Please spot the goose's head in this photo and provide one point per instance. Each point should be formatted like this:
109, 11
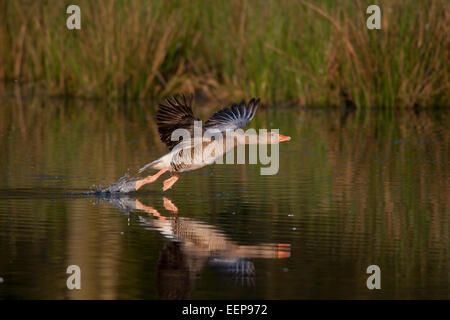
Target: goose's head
272, 138
261, 138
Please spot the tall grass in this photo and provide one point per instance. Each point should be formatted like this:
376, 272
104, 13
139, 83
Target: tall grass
306, 52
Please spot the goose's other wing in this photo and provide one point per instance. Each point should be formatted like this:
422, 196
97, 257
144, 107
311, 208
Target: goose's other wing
175, 114
234, 117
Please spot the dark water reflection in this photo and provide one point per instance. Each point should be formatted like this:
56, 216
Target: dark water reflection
352, 190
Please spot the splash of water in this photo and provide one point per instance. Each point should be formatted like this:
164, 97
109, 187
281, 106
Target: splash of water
124, 185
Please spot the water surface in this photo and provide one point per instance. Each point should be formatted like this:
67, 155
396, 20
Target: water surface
352, 190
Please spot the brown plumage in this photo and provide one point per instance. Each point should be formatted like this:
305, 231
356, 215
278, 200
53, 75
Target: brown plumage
175, 115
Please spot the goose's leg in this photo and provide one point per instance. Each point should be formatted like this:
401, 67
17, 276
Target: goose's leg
170, 206
168, 183
149, 179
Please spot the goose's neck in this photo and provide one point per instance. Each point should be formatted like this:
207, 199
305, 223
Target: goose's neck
247, 138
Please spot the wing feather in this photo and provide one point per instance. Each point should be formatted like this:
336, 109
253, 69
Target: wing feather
234, 117
174, 114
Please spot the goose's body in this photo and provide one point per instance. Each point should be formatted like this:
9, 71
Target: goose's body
195, 155
200, 150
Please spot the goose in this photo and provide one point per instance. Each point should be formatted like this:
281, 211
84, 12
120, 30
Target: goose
191, 154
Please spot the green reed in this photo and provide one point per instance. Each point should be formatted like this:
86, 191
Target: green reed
304, 52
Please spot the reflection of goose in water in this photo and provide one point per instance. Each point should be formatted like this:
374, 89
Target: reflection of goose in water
194, 244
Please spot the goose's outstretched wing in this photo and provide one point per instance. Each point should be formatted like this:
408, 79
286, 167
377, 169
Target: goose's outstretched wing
175, 114
234, 117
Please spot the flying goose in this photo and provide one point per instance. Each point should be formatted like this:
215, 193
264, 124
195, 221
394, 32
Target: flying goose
191, 154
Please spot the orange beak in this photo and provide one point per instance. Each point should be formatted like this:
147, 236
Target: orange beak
283, 250
282, 138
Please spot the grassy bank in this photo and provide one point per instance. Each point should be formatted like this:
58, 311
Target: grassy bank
307, 52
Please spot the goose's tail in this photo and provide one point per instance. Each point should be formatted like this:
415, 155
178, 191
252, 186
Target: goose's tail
157, 164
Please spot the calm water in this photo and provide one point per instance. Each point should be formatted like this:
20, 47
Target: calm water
352, 190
